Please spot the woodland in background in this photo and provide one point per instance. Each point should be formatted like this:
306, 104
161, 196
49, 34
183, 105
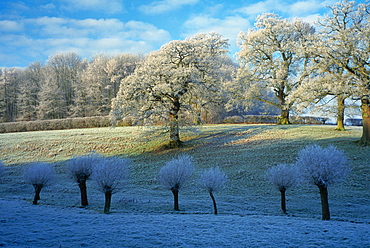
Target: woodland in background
284, 66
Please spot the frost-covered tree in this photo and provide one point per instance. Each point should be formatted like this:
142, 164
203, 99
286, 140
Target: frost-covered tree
274, 57
323, 167
100, 82
9, 92
39, 175
327, 84
175, 174
182, 76
283, 176
212, 180
109, 174
80, 170
345, 43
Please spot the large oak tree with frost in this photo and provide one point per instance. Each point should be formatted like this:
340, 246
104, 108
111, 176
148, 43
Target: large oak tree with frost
180, 77
346, 43
273, 56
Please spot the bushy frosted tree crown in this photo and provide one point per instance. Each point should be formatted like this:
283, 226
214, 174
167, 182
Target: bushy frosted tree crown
322, 166
109, 173
80, 168
39, 174
213, 179
176, 172
283, 176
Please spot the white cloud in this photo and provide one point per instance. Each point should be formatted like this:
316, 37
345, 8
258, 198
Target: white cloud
107, 6
10, 26
229, 27
294, 9
85, 37
159, 7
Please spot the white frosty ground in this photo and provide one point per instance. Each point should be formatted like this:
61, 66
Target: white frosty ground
25, 225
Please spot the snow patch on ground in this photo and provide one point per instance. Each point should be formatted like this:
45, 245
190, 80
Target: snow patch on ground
25, 225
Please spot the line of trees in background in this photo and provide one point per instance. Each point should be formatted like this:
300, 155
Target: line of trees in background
287, 64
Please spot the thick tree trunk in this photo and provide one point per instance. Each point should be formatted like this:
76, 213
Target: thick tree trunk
214, 203
83, 191
174, 125
365, 108
283, 200
38, 188
175, 193
284, 117
324, 202
108, 199
340, 113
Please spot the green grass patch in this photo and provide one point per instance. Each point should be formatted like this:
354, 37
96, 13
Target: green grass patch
243, 151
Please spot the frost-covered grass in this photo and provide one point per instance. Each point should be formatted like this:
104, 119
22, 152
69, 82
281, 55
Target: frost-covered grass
142, 214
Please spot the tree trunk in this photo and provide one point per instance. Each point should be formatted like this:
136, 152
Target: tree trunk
175, 193
83, 191
324, 202
284, 117
214, 203
38, 188
174, 124
108, 199
340, 113
365, 109
283, 200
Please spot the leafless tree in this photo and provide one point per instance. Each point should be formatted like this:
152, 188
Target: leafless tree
39, 175
175, 174
283, 176
80, 169
323, 167
109, 175
212, 180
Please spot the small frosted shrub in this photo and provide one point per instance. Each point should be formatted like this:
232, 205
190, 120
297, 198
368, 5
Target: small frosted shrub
175, 174
80, 170
212, 180
39, 175
109, 175
283, 176
323, 167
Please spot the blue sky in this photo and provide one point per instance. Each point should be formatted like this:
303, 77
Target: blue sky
34, 30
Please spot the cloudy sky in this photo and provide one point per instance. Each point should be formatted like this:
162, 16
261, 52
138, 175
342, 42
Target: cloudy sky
34, 30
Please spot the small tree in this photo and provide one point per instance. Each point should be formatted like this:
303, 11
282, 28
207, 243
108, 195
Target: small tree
323, 167
39, 175
213, 180
80, 169
109, 174
175, 174
283, 177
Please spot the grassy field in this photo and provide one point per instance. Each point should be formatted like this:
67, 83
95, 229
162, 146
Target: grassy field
244, 152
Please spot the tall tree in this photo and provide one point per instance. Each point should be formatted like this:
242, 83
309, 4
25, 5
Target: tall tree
175, 78
32, 78
327, 82
64, 69
100, 81
346, 43
9, 91
273, 56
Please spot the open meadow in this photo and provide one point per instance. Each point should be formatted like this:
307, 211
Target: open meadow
142, 215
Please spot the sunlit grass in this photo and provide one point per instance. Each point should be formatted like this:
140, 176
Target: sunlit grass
243, 152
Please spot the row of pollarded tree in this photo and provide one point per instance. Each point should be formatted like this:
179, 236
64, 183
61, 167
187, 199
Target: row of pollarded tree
315, 164
282, 62
110, 173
